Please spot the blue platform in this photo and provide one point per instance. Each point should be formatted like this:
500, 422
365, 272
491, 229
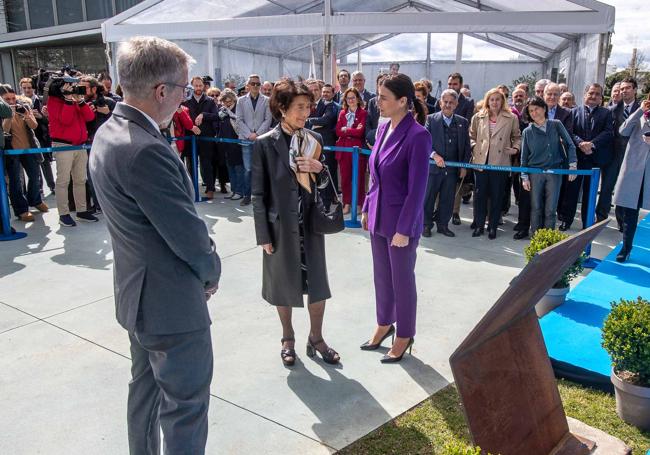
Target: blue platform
573, 331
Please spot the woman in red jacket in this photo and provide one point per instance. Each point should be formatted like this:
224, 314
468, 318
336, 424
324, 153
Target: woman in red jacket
351, 130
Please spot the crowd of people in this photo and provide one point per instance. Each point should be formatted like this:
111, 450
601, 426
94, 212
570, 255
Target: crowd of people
543, 129
282, 167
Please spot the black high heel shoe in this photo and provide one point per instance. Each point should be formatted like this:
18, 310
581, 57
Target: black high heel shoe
372, 347
287, 353
478, 232
389, 359
329, 356
623, 255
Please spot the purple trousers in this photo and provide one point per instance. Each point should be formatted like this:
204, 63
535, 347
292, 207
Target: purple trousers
395, 292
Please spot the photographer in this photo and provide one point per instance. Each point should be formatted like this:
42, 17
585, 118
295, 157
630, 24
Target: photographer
107, 83
42, 131
68, 113
103, 107
21, 128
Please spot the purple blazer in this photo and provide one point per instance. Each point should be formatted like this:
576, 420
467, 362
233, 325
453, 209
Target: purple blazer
398, 180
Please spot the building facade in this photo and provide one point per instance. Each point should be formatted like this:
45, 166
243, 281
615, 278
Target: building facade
50, 34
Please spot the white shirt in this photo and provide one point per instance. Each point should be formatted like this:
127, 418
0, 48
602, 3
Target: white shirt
152, 121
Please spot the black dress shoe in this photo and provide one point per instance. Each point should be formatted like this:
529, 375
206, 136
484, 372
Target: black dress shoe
473, 225
455, 219
492, 234
520, 235
446, 232
517, 227
623, 256
565, 227
478, 232
426, 232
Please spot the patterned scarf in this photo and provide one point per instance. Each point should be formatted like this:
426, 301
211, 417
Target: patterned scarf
302, 144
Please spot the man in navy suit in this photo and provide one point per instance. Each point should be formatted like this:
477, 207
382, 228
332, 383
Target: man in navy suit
323, 121
450, 140
593, 136
620, 112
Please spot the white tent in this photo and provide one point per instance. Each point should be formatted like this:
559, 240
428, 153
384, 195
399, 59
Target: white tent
280, 37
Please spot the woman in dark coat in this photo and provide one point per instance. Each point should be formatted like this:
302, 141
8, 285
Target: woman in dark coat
232, 151
287, 167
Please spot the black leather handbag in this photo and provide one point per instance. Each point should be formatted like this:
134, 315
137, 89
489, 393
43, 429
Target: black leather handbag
326, 221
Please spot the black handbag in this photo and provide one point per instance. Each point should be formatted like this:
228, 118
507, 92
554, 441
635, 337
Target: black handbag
326, 221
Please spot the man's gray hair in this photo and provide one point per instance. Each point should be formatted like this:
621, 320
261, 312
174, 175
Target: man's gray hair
144, 61
358, 73
552, 86
543, 82
449, 92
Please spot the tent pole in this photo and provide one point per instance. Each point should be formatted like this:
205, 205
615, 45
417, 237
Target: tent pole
428, 73
459, 52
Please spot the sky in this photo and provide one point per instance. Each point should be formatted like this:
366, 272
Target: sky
630, 31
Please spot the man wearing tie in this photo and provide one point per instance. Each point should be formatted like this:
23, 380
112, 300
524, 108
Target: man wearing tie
621, 111
593, 136
450, 138
323, 121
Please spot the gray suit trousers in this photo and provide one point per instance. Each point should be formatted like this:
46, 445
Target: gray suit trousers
169, 389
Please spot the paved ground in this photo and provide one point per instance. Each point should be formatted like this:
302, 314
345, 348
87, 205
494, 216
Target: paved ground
64, 364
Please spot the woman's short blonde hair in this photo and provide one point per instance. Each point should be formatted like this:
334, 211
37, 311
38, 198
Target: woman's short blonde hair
486, 98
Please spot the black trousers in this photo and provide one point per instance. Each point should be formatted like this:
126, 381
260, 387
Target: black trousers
523, 217
630, 218
489, 185
210, 165
607, 184
169, 390
441, 186
569, 199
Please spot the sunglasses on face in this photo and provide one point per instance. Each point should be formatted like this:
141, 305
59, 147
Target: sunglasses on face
255, 84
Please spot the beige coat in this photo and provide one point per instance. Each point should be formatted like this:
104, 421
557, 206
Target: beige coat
506, 134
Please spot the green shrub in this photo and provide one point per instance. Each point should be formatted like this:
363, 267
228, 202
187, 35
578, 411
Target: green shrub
460, 448
626, 337
542, 239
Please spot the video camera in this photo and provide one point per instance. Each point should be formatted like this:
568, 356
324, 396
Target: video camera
52, 83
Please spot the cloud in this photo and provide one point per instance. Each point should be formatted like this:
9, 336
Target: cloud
631, 31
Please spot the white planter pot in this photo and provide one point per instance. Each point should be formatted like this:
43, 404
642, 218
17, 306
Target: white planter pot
551, 300
632, 403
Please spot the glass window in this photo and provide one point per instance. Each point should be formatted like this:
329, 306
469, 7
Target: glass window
69, 11
41, 13
15, 11
98, 9
53, 58
89, 59
123, 5
25, 62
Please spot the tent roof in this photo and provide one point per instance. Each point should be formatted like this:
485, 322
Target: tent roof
292, 28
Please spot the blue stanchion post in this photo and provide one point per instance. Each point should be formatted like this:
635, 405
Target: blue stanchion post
5, 233
195, 171
353, 222
592, 263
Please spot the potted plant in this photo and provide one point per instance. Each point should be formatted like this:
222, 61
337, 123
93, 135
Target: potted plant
542, 239
626, 337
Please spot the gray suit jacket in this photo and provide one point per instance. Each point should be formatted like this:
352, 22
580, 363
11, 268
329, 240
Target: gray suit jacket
164, 258
251, 120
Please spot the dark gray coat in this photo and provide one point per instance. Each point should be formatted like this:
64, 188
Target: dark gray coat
164, 258
275, 209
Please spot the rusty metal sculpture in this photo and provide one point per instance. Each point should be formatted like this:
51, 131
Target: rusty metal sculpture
503, 372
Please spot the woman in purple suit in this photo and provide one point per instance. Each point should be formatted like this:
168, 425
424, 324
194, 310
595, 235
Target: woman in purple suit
393, 211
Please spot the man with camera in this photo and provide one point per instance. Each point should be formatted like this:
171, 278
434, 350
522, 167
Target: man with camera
21, 127
103, 107
68, 113
42, 131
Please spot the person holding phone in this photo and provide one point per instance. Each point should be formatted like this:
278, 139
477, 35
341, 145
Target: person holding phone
632, 190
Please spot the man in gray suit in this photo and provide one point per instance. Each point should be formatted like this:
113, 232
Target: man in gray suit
253, 120
166, 267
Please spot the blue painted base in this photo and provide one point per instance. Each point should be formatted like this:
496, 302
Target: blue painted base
573, 331
352, 224
14, 236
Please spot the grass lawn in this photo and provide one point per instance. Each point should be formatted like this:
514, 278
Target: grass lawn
437, 425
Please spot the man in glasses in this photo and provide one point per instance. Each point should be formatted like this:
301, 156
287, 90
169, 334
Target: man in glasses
204, 114
166, 267
253, 120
